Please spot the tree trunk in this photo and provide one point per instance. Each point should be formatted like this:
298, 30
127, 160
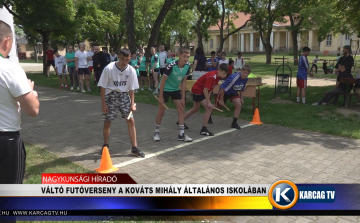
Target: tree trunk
180, 40
294, 34
130, 25
156, 27
35, 54
268, 49
222, 27
200, 41
45, 43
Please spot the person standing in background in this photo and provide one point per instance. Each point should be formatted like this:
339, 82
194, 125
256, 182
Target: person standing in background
70, 59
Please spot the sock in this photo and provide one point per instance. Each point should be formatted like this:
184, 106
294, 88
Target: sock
181, 129
203, 128
298, 99
157, 128
303, 100
235, 120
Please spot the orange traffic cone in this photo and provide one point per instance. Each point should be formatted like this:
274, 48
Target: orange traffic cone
256, 118
106, 165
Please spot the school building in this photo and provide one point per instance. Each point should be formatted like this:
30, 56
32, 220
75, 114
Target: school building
248, 39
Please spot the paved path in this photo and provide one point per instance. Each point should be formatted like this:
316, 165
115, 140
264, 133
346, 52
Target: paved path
69, 124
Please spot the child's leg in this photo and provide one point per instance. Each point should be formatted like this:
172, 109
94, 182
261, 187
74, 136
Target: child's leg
106, 131
160, 115
193, 110
81, 81
66, 83
61, 81
48, 70
207, 114
237, 103
132, 131
180, 110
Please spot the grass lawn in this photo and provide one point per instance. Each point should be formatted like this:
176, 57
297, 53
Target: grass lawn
30, 61
322, 119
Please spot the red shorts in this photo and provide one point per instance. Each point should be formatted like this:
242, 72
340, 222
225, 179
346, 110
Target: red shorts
90, 69
301, 83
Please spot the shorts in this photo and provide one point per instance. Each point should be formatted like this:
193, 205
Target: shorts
198, 97
156, 70
117, 101
50, 62
175, 95
90, 69
226, 97
301, 83
83, 71
143, 73
162, 70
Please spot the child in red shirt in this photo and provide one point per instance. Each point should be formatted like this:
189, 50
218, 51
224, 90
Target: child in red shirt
201, 94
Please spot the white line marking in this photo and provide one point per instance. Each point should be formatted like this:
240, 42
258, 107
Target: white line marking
178, 147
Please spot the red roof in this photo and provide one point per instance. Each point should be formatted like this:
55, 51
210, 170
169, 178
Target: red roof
242, 18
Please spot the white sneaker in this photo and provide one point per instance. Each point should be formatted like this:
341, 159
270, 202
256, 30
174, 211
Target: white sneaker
83, 91
88, 90
156, 92
72, 88
149, 89
156, 137
316, 103
136, 91
184, 138
78, 89
142, 89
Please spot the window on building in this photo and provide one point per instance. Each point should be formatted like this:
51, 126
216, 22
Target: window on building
328, 40
347, 37
211, 44
257, 42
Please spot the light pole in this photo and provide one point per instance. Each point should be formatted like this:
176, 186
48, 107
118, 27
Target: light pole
8, 18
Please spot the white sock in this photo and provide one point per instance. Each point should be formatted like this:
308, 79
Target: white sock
181, 129
298, 99
62, 85
303, 100
157, 128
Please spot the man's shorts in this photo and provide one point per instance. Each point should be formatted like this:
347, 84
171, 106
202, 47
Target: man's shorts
226, 97
143, 73
117, 101
90, 69
156, 70
83, 71
175, 95
301, 83
50, 62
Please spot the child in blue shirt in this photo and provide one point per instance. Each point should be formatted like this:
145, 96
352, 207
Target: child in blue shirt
303, 71
212, 63
231, 88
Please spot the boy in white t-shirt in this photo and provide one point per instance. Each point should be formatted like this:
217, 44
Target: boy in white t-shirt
60, 68
223, 59
117, 84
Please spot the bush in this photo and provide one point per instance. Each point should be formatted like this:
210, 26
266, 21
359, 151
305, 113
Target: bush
291, 53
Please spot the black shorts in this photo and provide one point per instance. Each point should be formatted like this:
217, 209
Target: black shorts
156, 70
143, 73
198, 97
162, 70
175, 95
12, 158
82, 71
50, 62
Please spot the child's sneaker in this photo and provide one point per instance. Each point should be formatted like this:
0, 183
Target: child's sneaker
235, 125
142, 89
72, 88
101, 151
184, 138
88, 90
149, 89
78, 89
316, 103
61, 87
83, 91
156, 137
137, 152
67, 87
205, 132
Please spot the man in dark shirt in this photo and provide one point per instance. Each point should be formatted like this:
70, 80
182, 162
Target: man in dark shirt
100, 62
339, 88
346, 59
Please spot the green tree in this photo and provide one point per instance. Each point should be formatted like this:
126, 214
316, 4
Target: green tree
45, 17
263, 15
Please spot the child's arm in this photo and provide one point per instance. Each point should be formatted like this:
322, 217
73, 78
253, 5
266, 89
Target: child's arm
132, 98
207, 98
